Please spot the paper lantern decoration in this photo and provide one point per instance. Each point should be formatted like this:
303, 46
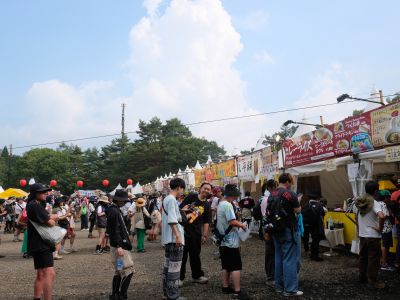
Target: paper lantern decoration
79, 183
129, 181
106, 182
53, 182
22, 182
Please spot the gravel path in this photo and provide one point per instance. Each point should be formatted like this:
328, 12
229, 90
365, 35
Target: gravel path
83, 275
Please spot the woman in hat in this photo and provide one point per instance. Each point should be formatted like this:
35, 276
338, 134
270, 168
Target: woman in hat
101, 223
63, 214
140, 226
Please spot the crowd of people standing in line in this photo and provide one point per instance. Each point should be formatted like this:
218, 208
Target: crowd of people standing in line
186, 223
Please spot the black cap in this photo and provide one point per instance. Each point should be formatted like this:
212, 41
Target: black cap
38, 188
121, 195
231, 190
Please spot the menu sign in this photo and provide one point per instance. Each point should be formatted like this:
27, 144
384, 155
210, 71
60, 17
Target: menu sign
269, 163
351, 135
392, 154
386, 125
245, 166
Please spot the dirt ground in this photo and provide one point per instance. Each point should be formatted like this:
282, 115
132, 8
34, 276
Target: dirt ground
83, 275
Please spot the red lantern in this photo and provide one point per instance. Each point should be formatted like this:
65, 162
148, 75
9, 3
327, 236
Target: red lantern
22, 182
79, 183
129, 181
53, 182
106, 182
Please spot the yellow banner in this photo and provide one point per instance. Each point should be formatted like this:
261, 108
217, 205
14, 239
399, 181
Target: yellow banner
215, 172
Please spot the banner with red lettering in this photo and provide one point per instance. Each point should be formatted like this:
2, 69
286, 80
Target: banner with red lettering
351, 135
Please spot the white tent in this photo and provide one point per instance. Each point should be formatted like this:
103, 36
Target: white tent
198, 166
119, 187
1, 189
137, 189
260, 144
32, 181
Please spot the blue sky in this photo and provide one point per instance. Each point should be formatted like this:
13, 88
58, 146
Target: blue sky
67, 65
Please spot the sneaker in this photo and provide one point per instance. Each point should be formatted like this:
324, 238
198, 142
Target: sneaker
72, 250
240, 296
317, 259
99, 251
180, 283
57, 257
387, 267
63, 251
201, 280
90, 236
297, 294
376, 285
227, 290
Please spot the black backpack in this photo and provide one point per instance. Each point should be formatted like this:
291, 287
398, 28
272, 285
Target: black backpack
310, 214
278, 217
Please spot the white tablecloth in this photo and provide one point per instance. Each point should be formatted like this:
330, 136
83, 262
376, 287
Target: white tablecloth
335, 237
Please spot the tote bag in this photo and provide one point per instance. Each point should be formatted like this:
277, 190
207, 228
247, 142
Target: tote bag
50, 235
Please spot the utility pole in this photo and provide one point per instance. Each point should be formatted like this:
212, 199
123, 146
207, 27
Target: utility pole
381, 97
123, 121
9, 166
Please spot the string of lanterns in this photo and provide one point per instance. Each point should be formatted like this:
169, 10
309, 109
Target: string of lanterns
79, 183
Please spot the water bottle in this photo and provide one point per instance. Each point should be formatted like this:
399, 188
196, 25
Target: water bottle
120, 264
331, 227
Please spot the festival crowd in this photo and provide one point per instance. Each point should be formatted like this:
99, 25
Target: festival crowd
284, 220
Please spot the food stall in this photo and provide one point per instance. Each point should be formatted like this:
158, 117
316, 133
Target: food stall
338, 159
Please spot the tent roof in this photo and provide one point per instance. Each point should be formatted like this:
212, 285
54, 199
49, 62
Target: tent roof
11, 192
119, 187
137, 189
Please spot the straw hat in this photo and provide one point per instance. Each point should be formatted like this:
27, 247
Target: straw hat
140, 202
103, 198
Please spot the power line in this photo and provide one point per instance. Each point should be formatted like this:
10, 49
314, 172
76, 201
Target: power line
195, 123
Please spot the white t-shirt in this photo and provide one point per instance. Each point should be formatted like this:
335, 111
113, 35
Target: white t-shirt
368, 224
264, 203
214, 203
19, 208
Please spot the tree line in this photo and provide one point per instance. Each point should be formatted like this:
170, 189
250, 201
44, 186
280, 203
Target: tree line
160, 148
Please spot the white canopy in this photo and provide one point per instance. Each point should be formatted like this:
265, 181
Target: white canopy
119, 187
137, 189
1, 189
197, 166
32, 181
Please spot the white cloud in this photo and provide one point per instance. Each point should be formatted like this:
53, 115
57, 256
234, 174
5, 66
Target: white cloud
152, 6
325, 88
182, 61
264, 57
181, 65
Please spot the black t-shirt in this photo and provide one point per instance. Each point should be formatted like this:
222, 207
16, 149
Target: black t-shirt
204, 218
37, 213
289, 203
247, 203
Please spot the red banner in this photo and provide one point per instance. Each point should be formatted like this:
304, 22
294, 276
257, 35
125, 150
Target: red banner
351, 135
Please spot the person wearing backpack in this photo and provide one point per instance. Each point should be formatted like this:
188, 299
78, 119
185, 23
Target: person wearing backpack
313, 214
267, 188
227, 226
283, 207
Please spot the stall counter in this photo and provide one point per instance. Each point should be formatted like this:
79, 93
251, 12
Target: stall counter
350, 229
